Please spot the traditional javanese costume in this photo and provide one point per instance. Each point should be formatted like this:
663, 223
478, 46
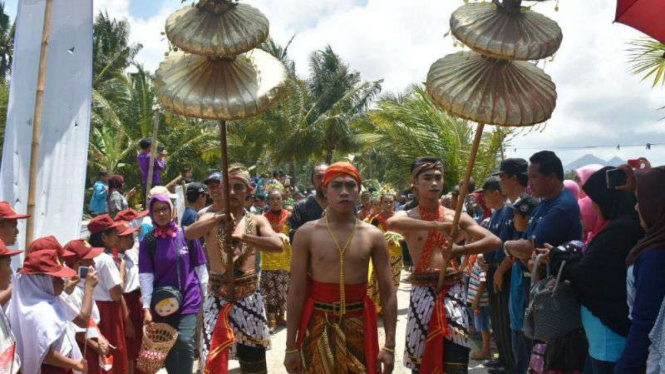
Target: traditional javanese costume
437, 338
275, 269
235, 325
395, 250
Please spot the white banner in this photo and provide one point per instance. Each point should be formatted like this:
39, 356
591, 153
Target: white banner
63, 151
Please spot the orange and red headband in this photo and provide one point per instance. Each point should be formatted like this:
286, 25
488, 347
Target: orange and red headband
341, 168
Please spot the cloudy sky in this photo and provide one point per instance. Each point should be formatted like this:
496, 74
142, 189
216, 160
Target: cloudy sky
600, 103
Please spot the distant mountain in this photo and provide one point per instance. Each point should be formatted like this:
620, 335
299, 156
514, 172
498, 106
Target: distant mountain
584, 160
591, 159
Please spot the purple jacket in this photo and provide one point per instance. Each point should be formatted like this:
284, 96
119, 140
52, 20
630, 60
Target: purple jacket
144, 164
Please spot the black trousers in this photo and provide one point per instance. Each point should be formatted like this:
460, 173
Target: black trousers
252, 360
455, 360
501, 318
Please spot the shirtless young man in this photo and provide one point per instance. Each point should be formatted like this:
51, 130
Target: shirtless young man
244, 312
331, 322
440, 344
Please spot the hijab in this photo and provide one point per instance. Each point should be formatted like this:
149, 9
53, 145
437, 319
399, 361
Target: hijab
116, 182
585, 172
170, 230
37, 319
651, 199
573, 187
612, 202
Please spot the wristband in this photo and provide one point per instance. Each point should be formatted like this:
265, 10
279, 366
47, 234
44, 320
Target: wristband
290, 351
388, 350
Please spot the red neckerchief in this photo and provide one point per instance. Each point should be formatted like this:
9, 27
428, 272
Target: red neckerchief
168, 232
383, 218
277, 221
435, 239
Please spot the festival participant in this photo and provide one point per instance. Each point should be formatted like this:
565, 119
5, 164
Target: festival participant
99, 194
311, 208
129, 253
237, 322
365, 207
143, 160
116, 200
7, 339
555, 221
437, 334
590, 221
115, 323
393, 239
173, 278
44, 342
8, 234
275, 266
78, 254
332, 308
197, 196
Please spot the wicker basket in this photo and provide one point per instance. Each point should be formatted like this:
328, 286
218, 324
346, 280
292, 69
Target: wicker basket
158, 338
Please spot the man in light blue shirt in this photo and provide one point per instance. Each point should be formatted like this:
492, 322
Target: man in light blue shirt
99, 193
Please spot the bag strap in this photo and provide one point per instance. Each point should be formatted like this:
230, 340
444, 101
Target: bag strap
535, 268
558, 278
177, 256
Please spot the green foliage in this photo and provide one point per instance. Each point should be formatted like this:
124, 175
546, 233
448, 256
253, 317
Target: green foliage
648, 59
6, 42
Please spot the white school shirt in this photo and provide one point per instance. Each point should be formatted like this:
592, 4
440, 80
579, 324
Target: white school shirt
109, 277
131, 257
75, 302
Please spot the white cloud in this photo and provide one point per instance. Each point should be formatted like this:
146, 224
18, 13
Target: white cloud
600, 102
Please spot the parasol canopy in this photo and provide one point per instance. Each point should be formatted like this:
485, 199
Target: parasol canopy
491, 91
499, 32
217, 29
647, 16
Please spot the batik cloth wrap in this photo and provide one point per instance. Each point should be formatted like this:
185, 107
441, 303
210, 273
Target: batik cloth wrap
331, 343
437, 338
395, 251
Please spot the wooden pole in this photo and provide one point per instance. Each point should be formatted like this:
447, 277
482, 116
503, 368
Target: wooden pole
460, 202
228, 248
153, 151
37, 124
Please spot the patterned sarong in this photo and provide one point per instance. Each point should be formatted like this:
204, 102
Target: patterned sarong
421, 308
334, 344
246, 318
275, 287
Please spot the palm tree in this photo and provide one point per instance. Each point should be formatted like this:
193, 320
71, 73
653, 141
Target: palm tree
6, 43
648, 59
111, 51
411, 125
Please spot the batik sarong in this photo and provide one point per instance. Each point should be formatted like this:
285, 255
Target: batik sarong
332, 343
275, 287
244, 323
455, 327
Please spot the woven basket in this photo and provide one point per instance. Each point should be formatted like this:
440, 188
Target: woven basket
158, 339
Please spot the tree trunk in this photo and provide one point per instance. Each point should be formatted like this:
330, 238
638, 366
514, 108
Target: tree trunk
329, 156
292, 171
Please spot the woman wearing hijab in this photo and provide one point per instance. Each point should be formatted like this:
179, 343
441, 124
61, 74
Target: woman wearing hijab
45, 343
599, 275
646, 272
573, 187
116, 200
174, 279
590, 222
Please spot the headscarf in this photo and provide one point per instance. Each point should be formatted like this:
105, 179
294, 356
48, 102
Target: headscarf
590, 220
37, 319
170, 230
116, 182
613, 203
585, 172
651, 199
573, 187
341, 168
238, 172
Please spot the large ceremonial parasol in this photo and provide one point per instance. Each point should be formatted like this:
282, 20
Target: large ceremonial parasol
219, 74
647, 16
494, 83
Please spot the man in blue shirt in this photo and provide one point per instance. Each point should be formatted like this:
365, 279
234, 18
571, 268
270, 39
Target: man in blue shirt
99, 193
197, 196
556, 220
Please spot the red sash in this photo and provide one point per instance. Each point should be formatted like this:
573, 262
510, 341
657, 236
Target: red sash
432, 361
222, 339
329, 293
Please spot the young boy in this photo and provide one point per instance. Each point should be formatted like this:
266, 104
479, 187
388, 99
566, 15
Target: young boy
479, 303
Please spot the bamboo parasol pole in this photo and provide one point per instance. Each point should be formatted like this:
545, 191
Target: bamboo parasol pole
153, 151
228, 248
37, 124
460, 202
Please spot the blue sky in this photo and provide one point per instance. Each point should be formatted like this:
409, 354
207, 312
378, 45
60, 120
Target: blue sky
600, 103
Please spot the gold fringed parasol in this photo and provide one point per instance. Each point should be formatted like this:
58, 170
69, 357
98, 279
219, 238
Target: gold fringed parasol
223, 79
495, 31
487, 90
488, 86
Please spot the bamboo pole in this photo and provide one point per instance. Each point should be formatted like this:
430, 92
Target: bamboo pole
37, 124
460, 203
228, 248
153, 151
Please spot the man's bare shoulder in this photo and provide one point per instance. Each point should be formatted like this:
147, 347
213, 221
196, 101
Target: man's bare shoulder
308, 228
413, 213
369, 229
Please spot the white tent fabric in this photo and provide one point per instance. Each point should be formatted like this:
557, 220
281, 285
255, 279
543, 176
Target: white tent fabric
66, 117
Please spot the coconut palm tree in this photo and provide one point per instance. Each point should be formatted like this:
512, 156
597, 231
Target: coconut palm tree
648, 59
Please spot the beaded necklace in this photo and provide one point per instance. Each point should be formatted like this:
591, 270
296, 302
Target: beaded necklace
342, 251
277, 221
435, 239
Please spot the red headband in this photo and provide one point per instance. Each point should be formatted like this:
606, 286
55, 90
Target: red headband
341, 168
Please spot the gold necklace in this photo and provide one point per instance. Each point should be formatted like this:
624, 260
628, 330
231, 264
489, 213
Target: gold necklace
342, 251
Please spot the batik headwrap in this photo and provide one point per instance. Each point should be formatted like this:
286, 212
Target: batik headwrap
426, 166
341, 168
240, 174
